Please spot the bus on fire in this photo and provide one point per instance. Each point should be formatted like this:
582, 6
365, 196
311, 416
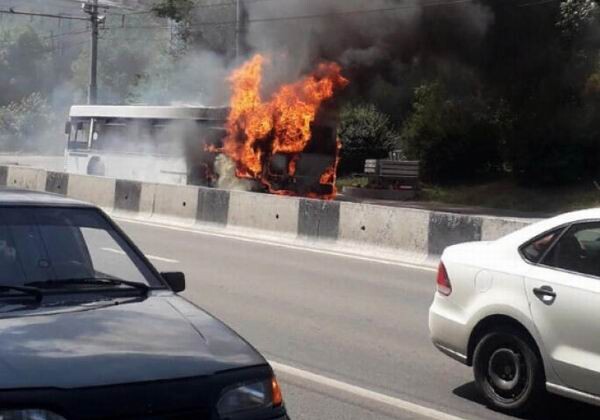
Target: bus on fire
179, 145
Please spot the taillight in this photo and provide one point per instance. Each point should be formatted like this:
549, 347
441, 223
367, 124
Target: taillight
444, 286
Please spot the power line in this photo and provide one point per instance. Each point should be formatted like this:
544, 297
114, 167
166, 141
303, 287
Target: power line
537, 3
12, 11
202, 6
60, 35
364, 11
51, 36
106, 4
446, 3
316, 16
47, 49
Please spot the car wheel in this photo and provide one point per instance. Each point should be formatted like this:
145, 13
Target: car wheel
508, 372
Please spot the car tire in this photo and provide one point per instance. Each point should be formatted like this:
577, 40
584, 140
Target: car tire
508, 371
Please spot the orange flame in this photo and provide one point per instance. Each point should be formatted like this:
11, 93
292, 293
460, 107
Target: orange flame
330, 174
257, 129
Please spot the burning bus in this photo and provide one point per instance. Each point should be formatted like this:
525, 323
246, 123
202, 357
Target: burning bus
286, 144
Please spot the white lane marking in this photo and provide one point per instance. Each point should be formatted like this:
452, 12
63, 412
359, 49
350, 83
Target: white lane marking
114, 251
151, 257
363, 393
281, 245
162, 259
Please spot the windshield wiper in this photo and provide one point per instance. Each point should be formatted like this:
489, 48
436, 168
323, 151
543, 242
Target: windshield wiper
31, 291
93, 281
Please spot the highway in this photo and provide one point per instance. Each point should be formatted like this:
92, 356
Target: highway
349, 337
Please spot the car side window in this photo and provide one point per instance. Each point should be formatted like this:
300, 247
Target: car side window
578, 250
538, 247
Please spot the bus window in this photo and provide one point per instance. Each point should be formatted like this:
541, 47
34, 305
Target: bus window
79, 136
113, 136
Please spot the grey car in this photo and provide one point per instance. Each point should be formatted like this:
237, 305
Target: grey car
90, 329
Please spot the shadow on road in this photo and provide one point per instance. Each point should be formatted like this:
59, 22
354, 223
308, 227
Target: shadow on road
552, 408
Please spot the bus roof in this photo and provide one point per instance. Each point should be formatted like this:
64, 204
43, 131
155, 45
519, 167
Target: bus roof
150, 112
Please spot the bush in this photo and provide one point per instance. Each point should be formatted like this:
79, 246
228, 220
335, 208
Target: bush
454, 140
557, 150
29, 125
366, 133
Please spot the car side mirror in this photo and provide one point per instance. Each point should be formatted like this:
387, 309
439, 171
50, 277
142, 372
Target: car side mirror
175, 280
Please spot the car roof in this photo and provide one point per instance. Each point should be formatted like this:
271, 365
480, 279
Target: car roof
16, 197
531, 231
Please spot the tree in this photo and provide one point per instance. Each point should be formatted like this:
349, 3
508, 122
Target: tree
576, 15
177, 10
180, 12
366, 133
28, 125
23, 66
455, 140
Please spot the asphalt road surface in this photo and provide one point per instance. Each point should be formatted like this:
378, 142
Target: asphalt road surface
349, 337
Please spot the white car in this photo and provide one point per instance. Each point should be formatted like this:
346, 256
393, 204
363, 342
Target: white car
524, 311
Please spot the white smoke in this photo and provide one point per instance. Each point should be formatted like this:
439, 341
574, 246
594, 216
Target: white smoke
225, 169
198, 78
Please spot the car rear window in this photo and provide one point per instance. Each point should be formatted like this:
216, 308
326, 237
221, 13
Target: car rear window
578, 250
536, 249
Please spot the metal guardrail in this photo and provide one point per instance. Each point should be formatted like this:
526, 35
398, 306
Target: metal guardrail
388, 172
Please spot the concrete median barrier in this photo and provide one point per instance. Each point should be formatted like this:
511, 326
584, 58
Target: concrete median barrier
175, 203
93, 189
365, 229
147, 197
26, 178
263, 212
3, 175
57, 182
400, 230
496, 227
319, 219
447, 229
213, 207
127, 196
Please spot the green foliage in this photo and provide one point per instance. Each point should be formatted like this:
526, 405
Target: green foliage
454, 140
366, 133
28, 125
576, 15
531, 109
23, 65
177, 10
122, 67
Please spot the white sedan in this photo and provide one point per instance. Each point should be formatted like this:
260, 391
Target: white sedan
524, 311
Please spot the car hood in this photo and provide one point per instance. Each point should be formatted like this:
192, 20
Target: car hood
159, 338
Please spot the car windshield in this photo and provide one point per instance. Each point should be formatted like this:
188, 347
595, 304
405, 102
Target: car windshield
45, 245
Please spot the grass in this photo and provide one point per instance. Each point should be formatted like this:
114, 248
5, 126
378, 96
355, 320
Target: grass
351, 182
506, 195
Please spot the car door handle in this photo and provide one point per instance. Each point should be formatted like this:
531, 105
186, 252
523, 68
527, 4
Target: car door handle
546, 294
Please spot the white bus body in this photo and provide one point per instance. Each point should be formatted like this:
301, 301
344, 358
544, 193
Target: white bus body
154, 144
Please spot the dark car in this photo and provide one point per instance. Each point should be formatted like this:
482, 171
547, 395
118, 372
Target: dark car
90, 330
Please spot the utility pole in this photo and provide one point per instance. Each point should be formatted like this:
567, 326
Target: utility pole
91, 8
